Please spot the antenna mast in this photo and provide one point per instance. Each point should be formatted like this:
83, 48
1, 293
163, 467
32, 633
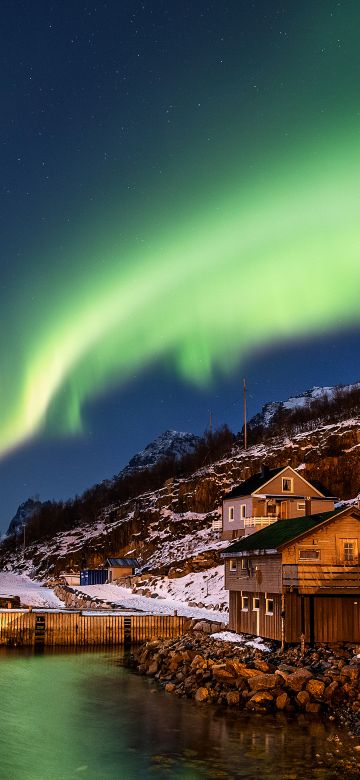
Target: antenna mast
245, 429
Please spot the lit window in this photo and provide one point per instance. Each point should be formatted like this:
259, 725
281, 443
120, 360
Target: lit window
309, 555
256, 603
269, 606
287, 485
242, 511
244, 603
244, 564
232, 565
231, 513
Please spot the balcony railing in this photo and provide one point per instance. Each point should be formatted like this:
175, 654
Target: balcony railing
217, 525
262, 522
315, 577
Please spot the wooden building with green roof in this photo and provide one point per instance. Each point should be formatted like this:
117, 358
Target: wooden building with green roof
298, 577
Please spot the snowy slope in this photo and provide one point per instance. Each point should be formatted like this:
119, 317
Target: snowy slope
164, 604
298, 401
31, 593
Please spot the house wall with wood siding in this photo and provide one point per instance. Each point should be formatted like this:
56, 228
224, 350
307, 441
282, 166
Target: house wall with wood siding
262, 573
321, 505
116, 572
328, 540
255, 621
300, 487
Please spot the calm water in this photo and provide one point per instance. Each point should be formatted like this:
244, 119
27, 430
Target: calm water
82, 715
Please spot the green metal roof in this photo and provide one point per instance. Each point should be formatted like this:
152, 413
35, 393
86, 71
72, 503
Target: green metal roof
279, 533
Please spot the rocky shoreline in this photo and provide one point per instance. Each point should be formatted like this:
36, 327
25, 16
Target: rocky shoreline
324, 682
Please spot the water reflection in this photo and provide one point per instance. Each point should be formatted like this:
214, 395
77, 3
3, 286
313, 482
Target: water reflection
82, 715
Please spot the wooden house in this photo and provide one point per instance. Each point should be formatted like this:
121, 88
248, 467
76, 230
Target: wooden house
120, 567
273, 494
298, 577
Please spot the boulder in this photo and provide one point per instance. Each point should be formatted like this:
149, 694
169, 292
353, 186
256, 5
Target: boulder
260, 700
302, 698
198, 662
170, 687
233, 698
281, 701
350, 673
316, 688
153, 668
312, 707
297, 680
204, 626
330, 690
261, 665
263, 682
201, 695
221, 673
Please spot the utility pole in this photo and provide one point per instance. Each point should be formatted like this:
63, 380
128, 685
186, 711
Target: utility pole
245, 429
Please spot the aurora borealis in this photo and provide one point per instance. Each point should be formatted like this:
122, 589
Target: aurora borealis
180, 190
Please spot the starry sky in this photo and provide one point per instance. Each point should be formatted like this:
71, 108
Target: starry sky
179, 208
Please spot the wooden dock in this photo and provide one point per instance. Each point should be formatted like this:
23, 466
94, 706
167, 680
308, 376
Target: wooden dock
45, 628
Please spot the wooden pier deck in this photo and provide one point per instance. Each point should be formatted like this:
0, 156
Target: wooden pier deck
50, 628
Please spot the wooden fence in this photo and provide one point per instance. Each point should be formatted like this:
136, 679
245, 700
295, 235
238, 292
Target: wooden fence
37, 628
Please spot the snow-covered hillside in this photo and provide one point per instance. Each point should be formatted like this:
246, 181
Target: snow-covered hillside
31, 593
265, 416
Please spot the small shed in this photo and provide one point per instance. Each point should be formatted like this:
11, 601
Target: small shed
121, 567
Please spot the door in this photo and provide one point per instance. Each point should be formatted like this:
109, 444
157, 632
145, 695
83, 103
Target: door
283, 510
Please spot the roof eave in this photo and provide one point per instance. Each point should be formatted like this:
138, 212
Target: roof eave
248, 553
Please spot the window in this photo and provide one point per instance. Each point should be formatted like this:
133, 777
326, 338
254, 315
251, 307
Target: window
231, 513
269, 606
287, 485
309, 555
244, 603
350, 550
256, 603
301, 506
244, 564
242, 511
232, 565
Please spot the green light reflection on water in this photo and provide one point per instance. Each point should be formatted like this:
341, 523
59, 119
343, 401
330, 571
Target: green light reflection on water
67, 715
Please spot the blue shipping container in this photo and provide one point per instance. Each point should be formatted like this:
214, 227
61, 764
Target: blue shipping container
93, 576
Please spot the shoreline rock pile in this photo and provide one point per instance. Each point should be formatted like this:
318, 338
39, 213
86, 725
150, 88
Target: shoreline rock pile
326, 681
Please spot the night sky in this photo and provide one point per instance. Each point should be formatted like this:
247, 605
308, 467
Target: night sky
179, 208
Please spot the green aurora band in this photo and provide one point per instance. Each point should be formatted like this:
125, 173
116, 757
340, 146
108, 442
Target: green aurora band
278, 259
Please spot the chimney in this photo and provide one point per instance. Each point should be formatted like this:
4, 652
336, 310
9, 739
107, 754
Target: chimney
264, 470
